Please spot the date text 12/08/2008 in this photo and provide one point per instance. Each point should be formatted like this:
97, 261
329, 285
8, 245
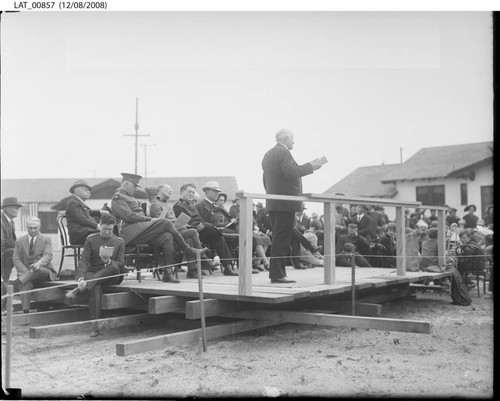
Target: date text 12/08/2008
62, 5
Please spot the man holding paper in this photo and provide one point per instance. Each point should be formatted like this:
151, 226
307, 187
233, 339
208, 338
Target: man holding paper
282, 176
103, 256
137, 228
160, 208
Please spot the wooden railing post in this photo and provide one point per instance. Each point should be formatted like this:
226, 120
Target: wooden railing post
400, 241
329, 236
245, 246
441, 239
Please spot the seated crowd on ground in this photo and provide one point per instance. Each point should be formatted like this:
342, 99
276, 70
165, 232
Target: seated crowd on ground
209, 227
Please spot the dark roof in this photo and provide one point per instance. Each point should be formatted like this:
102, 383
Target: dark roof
440, 161
53, 190
366, 181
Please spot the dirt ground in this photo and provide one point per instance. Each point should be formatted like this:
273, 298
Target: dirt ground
455, 360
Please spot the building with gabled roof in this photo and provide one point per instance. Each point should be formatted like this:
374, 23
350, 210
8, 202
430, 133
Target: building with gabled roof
456, 175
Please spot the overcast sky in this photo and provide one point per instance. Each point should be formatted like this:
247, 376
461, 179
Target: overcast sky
214, 87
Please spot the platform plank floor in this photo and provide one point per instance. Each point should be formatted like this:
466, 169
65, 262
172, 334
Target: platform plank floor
309, 284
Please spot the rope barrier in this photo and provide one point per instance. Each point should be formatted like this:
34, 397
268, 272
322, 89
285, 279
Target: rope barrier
154, 268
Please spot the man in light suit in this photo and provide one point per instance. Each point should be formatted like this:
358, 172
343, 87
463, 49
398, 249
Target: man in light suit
81, 220
282, 176
10, 210
33, 253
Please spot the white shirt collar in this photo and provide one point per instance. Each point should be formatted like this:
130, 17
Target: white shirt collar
282, 144
34, 239
77, 197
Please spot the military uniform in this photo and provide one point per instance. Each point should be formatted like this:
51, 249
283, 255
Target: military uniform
137, 228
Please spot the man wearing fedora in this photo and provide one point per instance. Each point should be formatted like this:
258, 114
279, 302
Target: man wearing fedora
81, 220
212, 211
206, 230
470, 218
32, 257
10, 209
283, 176
137, 228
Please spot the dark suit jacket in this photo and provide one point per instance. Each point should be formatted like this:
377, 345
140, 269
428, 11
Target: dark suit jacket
79, 220
43, 253
282, 176
216, 215
366, 228
8, 234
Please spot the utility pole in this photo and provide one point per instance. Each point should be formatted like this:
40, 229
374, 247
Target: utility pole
146, 158
400, 155
136, 131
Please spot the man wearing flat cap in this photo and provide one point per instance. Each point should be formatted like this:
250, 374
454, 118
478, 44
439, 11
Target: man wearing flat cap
10, 209
470, 218
81, 220
137, 228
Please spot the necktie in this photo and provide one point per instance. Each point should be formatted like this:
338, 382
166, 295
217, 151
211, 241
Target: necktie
13, 225
359, 219
32, 249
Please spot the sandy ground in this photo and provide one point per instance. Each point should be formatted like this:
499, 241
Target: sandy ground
455, 360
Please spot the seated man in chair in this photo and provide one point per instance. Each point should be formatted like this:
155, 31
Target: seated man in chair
207, 231
81, 220
159, 208
103, 256
32, 257
140, 229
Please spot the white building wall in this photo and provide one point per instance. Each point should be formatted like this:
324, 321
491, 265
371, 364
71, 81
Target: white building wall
484, 176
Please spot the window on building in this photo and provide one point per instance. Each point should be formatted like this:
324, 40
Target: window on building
463, 194
432, 195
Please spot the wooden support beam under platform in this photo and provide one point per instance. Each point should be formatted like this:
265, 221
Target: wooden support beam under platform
48, 295
50, 317
89, 325
120, 300
323, 319
167, 303
188, 337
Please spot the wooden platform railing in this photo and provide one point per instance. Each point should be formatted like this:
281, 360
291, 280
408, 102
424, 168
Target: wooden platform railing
329, 201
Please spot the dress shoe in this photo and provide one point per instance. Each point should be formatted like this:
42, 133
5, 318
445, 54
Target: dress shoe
300, 266
228, 271
169, 278
260, 268
194, 274
282, 280
94, 333
255, 271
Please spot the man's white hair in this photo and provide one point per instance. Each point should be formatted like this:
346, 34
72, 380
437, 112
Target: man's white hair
282, 134
164, 186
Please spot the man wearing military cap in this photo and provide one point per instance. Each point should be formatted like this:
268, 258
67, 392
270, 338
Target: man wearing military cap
10, 209
137, 228
81, 220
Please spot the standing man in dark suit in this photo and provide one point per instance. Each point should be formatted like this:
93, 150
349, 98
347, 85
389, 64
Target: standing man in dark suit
81, 220
10, 210
282, 176
32, 257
